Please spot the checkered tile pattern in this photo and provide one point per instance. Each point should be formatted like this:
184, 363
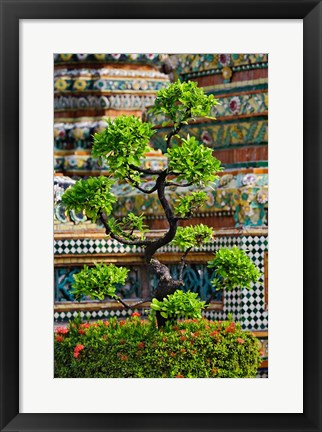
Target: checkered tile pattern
246, 306
96, 315
94, 246
90, 246
253, 314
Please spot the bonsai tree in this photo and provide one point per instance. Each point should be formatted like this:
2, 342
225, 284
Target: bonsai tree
123, 145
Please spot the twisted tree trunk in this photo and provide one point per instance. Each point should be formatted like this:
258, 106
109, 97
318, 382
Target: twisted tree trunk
166, 285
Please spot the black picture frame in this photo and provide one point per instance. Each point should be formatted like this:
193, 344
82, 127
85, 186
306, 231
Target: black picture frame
11, 12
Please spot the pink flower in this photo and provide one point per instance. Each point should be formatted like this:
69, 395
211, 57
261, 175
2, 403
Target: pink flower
224, 59
206, 137
59, 338
240, 340
234, 104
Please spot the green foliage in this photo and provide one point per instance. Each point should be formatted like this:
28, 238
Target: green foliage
179, 305
193, 162
193, 236
188, 204
135, 348
182, 101
91, 195
127, 225
233, 269
99, 281
124, 142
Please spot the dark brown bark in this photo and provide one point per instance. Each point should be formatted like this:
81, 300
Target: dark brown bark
127, 306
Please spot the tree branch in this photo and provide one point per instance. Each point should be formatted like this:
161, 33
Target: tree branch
172, 133
177, 128
145, 170
173, 222
147, 191
183, 263
178, 184
127, 306
108, 231
162, 198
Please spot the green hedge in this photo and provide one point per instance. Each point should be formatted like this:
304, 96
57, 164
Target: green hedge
135, 348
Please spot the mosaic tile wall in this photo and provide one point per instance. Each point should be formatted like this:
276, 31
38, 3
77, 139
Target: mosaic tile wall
239, 135
90, 87
245, 196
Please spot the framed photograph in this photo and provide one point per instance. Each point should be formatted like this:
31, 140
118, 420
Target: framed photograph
41, 88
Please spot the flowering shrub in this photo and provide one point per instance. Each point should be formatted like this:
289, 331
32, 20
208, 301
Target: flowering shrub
135, 348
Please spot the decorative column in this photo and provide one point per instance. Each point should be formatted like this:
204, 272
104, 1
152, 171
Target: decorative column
91, 87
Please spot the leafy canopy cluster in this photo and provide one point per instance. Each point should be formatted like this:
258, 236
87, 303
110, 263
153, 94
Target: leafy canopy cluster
233, 269
92, 196
123, 143
193, 236
193, 162
126, 226
99, 281
182, 101
188, 204
179, 305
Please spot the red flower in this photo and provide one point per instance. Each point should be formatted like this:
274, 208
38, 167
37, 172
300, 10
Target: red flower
141, 345
106, 323
123, 357
61, 330
164, 339
179, 376
59, 338
80, 331
77, 350
122, 323
183, 338
172, 354
85, 325
231, 328
136, 314
240, 340
214, 333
